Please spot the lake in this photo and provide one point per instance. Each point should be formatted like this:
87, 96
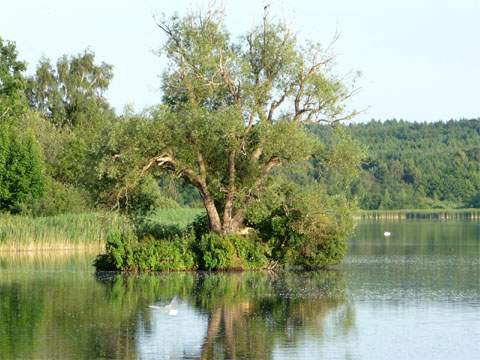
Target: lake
413, 295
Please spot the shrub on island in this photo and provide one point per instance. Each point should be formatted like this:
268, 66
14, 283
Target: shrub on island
300, 228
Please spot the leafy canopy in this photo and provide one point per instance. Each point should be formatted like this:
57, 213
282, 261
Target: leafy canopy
12, 82
72, 91
232, 112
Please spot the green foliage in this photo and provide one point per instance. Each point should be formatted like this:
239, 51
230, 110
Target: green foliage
72, 92
58, 198
148, 227
21, 163
200, 225
231, 252
474, 201
179, 190
165, 255
21, 169
12, 82
126, 252
154, 246
146, 197
233, 110
71, 121
120, 157
416, 165
337, 166
303, 227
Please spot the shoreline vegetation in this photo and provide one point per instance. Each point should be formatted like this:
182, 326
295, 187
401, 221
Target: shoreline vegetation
418, 214
88, 232
83, 232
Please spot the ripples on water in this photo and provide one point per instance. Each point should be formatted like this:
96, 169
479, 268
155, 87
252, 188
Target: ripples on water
415, 295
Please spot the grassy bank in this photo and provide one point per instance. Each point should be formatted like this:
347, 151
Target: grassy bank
62, 232
177, 216
411, 214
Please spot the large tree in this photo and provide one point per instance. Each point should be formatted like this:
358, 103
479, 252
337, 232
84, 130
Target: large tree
235, 110
72, 91
21, 166
12, 82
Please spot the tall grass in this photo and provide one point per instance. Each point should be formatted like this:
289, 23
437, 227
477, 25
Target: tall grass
75, 231
62, 232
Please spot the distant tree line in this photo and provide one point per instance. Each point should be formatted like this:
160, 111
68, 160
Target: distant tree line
418, 165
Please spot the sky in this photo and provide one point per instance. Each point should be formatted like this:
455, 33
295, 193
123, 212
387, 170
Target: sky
419, 59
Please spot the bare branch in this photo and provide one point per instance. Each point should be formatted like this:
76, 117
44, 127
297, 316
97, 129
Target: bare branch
272, 162
5, 112
275, 104
161, 161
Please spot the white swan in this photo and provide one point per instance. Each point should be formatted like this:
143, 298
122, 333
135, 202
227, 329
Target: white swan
387, 233
170, 308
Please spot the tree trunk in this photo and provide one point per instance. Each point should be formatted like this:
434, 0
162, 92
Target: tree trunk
237, 223
213, 217
229, 197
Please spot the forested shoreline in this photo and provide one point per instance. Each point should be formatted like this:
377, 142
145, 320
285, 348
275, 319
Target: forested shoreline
429, 165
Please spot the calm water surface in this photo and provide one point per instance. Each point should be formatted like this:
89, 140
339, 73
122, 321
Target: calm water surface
415, 295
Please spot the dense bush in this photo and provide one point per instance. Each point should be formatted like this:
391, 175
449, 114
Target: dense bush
169, 248
294, 227
21, 169
126, 252
474, 201
231, 252
58, 198
303, 227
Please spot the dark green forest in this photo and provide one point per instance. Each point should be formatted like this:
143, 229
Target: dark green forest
417, 165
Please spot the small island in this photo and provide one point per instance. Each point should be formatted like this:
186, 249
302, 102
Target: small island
233, 124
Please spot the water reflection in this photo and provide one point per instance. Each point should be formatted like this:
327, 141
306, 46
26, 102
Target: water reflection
244, 315
399, 297
72, 314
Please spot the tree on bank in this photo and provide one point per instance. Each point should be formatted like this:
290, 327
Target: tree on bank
233, 124
72, 91
234, 111
12, 82
21, 166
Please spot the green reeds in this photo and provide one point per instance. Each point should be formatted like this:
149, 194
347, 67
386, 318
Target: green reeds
62, 232
83, 232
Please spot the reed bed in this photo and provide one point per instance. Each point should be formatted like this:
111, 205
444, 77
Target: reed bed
81, 232
428, 214
63, 232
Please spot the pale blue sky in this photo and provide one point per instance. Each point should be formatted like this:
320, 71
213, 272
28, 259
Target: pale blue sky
420, 59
